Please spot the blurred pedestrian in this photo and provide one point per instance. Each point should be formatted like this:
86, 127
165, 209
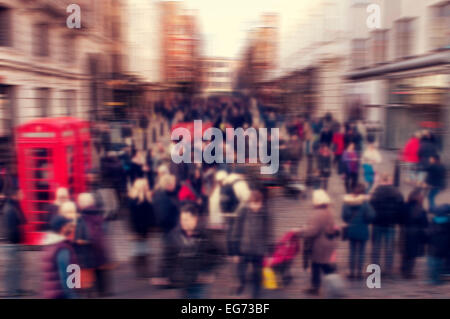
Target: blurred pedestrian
61, 196
323, 235
90, 229
13, 236
435, 180
410, 156
358, 214
191, 255
142, 219
388, 204
253, 240
58, 256
324, 159
351, 163
438, 238
414, 222
371, 158
338, 147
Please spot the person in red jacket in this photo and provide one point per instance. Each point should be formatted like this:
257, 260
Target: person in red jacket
410, 156
338, 147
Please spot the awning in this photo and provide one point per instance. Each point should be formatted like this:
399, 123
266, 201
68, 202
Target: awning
440, 58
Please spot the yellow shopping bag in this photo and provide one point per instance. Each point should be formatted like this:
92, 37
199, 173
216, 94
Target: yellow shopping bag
269, 279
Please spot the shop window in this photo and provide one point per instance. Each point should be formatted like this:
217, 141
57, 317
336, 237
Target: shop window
380, 43
43, 101
359, 49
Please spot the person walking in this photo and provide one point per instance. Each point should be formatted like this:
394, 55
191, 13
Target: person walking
90, 226
388, 203
253, 238
410, 156
141, 220
414, 223
371, 158
324, 159
338, 147
322, 234
12, 240
191, 255
435, 180
58, 255
358, 214
351, 165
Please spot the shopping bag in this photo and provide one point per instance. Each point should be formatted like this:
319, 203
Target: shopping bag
269, 279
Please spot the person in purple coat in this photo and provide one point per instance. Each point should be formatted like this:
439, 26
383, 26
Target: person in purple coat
58, 256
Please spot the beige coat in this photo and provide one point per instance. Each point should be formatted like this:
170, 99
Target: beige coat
320, 226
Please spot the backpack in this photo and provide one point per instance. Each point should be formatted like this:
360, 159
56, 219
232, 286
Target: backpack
228, 199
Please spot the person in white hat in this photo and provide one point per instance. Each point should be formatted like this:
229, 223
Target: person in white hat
322, 234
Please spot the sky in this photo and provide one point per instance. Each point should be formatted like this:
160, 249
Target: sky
224, 24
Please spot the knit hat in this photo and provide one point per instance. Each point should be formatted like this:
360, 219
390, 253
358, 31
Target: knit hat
320, 197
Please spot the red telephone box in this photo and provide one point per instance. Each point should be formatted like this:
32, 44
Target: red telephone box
50, 155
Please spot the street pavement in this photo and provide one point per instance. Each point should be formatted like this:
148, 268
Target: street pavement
288, 213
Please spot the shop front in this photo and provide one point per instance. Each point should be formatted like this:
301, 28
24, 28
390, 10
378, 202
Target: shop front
415, 102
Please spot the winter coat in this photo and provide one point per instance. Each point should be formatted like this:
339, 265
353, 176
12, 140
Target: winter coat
387, 202
414, 223
338, 142
253, 233
350, 160
358, 214
436, 176
322, 234
324, 164
410, 152
189, 256
427, 149
13, 222
166, 210
438, 233
90, 228
52, 283
142, 216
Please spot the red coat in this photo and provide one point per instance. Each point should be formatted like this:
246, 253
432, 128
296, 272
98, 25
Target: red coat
186, 194
411, 151
338, 141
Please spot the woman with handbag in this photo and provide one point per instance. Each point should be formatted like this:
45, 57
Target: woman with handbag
357, 213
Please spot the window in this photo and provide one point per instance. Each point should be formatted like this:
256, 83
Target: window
43, 101
41, 42
68, 54
379, 42
69, 102
440, 25
404, 37
359, 53
5, 27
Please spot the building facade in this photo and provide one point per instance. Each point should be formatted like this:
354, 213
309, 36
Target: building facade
48, 69
218, 75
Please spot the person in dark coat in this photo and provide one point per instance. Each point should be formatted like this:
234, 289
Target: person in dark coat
438, 239
388, 203
191, 255
253, 239
435, 180
58, 255
324, 160
358, 214
427, 149
167, 217
13, 220
414, 222
141, 220
91, 233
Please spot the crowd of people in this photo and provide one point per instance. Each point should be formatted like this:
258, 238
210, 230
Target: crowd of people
209, 214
